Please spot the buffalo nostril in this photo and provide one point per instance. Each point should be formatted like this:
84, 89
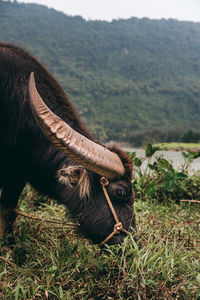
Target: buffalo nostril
121, 193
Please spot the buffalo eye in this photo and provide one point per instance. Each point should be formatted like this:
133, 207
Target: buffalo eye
121, 193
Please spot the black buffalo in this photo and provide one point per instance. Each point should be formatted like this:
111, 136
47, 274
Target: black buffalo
50, 147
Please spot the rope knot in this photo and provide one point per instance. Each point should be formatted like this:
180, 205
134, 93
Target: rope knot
118, 227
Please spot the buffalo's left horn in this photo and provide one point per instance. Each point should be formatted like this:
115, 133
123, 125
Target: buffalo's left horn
76, 146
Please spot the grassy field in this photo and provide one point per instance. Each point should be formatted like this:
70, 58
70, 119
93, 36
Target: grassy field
178, 146
52, 261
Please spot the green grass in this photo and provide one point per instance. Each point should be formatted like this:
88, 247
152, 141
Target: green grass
179, 146
52, 262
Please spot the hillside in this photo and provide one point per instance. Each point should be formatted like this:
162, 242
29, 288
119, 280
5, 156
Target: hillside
131, 79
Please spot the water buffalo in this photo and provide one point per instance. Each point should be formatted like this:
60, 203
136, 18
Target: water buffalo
44, 142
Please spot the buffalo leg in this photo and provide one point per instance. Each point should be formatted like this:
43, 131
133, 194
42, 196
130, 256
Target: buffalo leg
8, 203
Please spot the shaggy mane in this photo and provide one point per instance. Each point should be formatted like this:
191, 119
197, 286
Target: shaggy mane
76, 177
125, 158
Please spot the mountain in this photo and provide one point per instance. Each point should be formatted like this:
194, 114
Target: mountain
132, 80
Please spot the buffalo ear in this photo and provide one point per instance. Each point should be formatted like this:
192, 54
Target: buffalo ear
76, 177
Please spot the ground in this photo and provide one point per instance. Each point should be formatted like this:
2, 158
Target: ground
49, 260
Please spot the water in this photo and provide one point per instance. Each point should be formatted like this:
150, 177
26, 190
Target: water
174, 157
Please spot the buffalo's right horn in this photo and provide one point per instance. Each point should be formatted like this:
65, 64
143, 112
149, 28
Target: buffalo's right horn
76, 146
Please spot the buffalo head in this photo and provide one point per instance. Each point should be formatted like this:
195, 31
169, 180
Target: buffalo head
79, 177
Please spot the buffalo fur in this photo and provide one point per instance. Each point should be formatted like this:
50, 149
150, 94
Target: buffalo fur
7, 218
125, 158
76, 176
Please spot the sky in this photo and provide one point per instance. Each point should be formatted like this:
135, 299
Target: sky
185, 10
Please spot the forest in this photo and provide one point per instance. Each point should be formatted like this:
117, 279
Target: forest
134, 80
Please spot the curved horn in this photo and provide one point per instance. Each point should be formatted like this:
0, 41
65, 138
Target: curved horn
76, 146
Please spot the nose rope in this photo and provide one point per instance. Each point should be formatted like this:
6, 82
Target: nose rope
118, 226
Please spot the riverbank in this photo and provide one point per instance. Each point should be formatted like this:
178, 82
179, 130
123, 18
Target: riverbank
175, 157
